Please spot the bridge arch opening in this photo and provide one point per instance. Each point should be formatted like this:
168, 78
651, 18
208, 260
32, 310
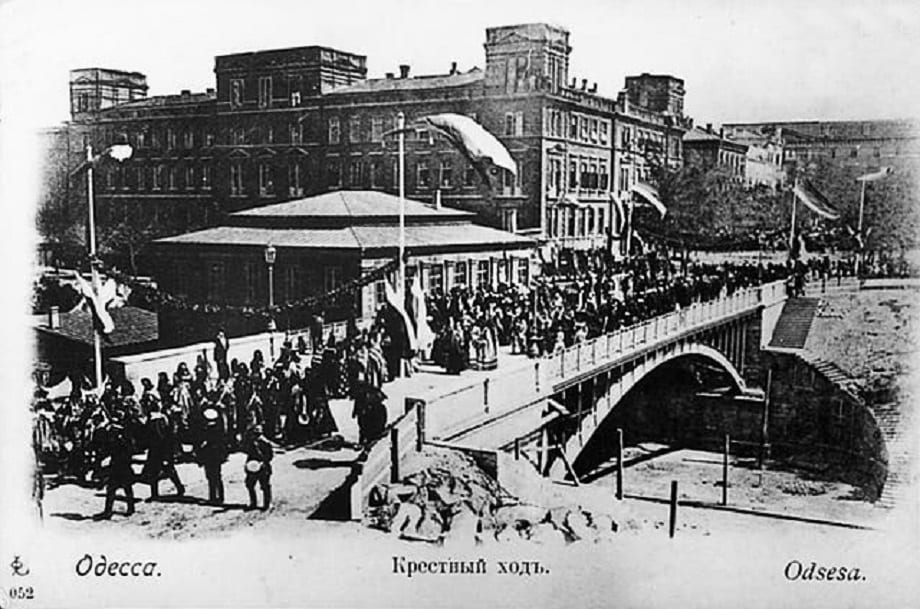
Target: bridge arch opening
670, 406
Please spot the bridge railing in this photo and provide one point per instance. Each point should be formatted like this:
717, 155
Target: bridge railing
526, 382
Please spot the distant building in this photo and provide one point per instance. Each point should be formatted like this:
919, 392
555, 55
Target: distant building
764, 161
321, 243
711, 149
859, 146
289, 123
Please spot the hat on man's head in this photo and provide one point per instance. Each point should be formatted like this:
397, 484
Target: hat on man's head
210, 415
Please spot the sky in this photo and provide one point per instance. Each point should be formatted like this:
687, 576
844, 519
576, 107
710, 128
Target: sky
741, 60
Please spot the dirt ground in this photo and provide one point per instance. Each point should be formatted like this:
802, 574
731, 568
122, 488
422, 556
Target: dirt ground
797, 493
301, 480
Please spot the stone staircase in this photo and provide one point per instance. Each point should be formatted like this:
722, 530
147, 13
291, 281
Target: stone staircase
794, 323
895, 429
893, 425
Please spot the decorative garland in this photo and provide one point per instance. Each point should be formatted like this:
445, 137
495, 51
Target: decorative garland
164, 299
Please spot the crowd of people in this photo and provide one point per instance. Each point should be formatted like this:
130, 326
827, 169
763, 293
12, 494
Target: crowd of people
560, 310
204, 413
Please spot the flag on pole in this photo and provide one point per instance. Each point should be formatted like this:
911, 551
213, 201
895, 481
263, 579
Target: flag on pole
473, 141
649, 194
884, 172
812, 198
424, 333
394, 302
99, 303
618, 222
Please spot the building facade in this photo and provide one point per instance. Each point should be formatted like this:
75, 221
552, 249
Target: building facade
709, 148
764, 161
290, 123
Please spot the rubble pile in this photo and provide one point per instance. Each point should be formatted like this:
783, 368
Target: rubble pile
450, 500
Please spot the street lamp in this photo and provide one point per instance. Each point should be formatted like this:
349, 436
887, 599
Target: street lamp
270, 254
119, 152
401, 128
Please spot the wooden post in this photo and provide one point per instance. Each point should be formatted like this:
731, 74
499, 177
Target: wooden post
765, 421
620, 463
672, 523
725, 452
517, 449
485, 394
536, 375
419, 425
394, 454
356, 497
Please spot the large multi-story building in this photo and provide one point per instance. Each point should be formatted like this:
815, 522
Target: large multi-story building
289, 123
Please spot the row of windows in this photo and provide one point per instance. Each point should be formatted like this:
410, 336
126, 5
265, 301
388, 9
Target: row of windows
158, 177
575, 126
576, 222
447, 275
291, 281
361, 172
585, 173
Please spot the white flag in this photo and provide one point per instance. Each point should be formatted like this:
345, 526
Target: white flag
99, 303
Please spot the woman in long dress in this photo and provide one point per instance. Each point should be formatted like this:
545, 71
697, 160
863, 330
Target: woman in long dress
489, 348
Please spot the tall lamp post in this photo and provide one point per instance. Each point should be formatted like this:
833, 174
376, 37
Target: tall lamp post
401, 129
119, 152
270, 254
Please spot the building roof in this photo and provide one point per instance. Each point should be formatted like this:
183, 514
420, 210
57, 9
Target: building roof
431, 81
441, 235
164, 100
345, 207
701, 135
133, 326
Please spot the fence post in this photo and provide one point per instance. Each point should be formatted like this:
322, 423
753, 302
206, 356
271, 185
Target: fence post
356, 496
608, 344
536, 375
517, 449
725, 451
578, 357
419, 425
485, 394
620, 463
672, 526
394, 454
562, 363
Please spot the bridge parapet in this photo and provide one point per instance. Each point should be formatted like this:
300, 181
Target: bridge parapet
532, 380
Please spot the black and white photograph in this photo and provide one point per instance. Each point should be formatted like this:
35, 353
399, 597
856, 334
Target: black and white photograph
464, 303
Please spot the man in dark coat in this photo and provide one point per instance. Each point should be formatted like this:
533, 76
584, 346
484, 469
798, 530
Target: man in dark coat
258, 467
118, 450
212, 453
221, 346
161, 453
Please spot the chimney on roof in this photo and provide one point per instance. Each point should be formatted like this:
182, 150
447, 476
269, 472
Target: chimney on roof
389, 76
708, 127
210, 91
574, 83
404, 70
722, 132
593, 88
186, 93
584, 84
54, 318
453, 68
